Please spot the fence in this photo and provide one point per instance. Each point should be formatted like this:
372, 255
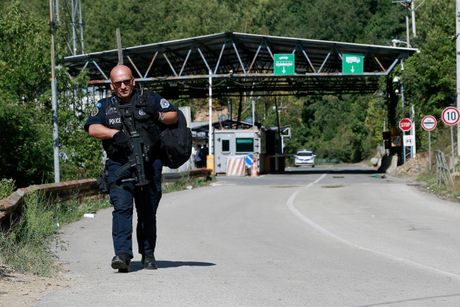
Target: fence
75, 189
443, 173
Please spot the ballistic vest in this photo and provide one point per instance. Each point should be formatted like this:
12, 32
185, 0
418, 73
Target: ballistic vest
131, 118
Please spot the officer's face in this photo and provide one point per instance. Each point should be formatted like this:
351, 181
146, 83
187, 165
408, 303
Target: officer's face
122, 82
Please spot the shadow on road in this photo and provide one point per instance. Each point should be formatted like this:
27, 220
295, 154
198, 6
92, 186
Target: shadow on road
163, 264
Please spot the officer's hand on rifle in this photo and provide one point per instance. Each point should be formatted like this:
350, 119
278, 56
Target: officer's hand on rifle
121, 141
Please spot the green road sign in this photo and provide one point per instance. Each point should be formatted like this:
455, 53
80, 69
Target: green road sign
284, 64
352, 64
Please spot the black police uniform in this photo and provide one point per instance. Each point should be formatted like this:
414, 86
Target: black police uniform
122, 191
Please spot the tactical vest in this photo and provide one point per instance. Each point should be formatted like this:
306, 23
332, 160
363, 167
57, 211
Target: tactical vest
131, 117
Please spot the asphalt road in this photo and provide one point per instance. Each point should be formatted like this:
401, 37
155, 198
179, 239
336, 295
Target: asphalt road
311, 237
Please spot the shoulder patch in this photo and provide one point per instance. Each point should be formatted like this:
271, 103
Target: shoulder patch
164, 103
94, 112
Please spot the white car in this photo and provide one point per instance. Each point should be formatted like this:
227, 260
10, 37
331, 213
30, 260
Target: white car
304, 157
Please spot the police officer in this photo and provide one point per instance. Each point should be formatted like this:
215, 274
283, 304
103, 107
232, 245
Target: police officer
108, 122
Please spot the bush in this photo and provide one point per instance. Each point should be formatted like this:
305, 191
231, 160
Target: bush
6, 187
26, 246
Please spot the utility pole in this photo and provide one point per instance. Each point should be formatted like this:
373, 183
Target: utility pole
73, 13
457, 44
210, 160
119, 47
57, 177
412, 10
410, 6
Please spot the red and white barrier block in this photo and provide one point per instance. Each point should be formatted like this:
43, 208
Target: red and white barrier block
236, 166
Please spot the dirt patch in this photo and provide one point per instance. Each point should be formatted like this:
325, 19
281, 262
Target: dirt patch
18, 289
413, 167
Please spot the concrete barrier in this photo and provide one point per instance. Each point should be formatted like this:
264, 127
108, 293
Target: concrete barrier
74, 189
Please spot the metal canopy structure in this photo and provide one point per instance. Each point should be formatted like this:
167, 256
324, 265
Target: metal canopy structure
239, 62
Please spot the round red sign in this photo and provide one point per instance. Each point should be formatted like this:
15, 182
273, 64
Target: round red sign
429, 123
450, 116
405, 124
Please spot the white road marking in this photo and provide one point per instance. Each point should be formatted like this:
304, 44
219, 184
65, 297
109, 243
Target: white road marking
291, 205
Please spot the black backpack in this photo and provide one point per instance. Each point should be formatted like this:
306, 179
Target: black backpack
175, 142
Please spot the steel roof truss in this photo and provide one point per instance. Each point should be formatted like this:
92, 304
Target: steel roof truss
270, 52
318, 63
308, 59
324, 62
378, 62
220, 57
151, 63
204, 59
185, 62
84, 66
239, 58
392, 66
134, 65
170, 65
254, 59
100, 70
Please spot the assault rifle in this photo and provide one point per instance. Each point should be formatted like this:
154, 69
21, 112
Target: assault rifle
138, 155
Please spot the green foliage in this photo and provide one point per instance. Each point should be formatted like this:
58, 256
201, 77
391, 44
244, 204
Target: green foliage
25, 142
25, 145
6, 187
26, 246
375, 123
430, 74
444, 191
334, 128
81, 156
143, 22
73, 210
24, 53
185, 182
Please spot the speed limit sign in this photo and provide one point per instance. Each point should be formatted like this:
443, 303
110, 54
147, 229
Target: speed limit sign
450, 116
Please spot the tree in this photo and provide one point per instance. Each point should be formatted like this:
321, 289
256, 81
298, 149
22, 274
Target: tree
430, 74
24, 53
25, 142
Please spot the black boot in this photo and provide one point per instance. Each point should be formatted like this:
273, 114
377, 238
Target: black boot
149, 262
121, 262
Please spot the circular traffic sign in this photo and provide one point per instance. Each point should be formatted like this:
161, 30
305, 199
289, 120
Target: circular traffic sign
450, 116
429, 123
405, 124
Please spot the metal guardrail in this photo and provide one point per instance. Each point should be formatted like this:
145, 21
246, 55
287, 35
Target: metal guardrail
74, 189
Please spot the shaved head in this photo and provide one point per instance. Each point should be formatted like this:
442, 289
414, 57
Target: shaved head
120, 70
122, 82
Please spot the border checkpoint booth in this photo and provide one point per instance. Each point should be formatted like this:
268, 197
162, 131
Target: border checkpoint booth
232, 146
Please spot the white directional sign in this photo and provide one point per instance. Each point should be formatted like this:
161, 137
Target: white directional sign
450, 116
409, 140
429, 123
